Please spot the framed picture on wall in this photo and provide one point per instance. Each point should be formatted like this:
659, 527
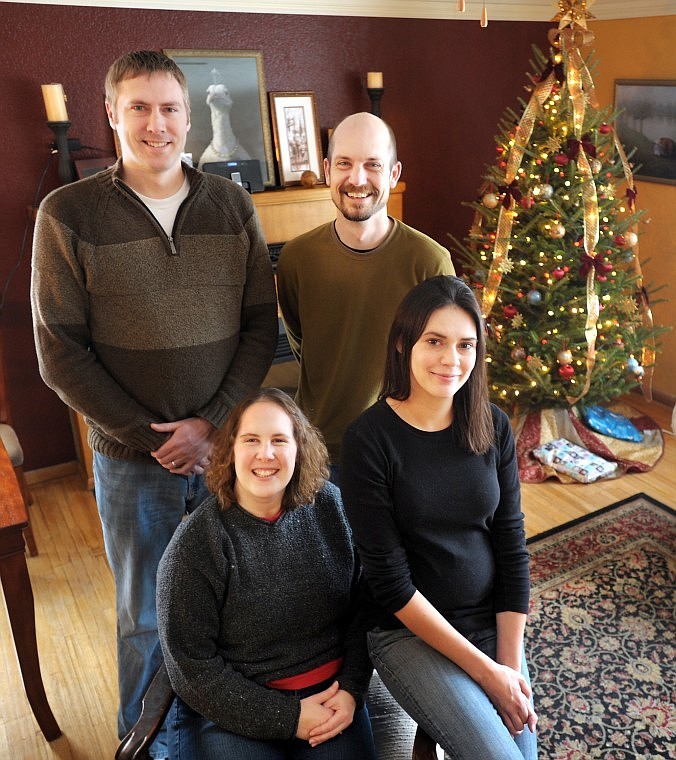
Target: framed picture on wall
297, 140
228, 107
85, 167
646, 121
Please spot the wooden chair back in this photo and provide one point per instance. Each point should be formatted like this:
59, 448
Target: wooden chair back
13, 446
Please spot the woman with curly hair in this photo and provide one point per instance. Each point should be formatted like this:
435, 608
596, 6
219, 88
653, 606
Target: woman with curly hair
258, 599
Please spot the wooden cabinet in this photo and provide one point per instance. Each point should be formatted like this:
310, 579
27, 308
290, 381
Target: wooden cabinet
294, 210
284, 214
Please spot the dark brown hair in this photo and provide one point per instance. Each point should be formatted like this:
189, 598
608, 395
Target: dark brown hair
140, 62
311, 457
472, 418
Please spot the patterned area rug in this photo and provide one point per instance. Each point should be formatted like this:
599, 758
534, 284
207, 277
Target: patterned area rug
601, 637
531, 430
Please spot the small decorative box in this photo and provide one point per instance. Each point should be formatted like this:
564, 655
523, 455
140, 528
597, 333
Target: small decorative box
571, 459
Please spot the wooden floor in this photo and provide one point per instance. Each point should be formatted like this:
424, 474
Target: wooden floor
74, 599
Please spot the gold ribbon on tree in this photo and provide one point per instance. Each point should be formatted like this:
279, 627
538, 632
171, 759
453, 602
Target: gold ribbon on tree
573, 14
581, 89
648, 351
503, 235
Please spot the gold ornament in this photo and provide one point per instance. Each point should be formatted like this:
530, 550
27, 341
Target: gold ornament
308, 179
557, 231
535, 363
490, 200
506, 265
630, 238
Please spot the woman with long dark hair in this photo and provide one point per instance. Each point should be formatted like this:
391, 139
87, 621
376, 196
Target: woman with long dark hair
431, 488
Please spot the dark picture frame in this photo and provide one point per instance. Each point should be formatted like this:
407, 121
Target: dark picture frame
235, 124
85, 167
646, 122
298, 145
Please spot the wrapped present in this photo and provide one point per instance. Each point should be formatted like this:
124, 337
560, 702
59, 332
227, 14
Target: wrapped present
615, 425
571, 459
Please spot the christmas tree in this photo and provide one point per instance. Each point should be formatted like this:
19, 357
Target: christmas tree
553, 250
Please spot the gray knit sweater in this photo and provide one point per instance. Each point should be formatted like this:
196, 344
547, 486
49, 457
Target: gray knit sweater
242, 601
132, 326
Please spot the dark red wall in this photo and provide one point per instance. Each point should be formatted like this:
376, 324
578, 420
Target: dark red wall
446, 86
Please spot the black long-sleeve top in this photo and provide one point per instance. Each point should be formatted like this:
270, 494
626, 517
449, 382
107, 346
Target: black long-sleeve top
429, 516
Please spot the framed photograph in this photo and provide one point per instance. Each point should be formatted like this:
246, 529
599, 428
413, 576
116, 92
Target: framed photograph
646, 121
228, 107
85, 167
297, 141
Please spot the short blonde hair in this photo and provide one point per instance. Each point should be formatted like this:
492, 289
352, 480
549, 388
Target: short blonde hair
140, 62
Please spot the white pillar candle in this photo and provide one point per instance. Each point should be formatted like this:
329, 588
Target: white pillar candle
55, 102
374, 80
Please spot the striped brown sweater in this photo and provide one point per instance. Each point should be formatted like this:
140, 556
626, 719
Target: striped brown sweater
133, 327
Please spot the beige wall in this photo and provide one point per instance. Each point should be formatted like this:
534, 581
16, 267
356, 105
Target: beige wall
644, 49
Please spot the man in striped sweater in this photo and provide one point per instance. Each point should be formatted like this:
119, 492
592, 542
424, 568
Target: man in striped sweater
154, 312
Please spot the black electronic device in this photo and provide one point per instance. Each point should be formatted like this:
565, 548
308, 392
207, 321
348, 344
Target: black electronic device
246, 173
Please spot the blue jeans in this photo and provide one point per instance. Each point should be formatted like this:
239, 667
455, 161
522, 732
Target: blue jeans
452, 708
193, 737
140, 505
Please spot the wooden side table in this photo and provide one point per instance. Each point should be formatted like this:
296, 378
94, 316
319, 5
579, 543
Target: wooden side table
16, 587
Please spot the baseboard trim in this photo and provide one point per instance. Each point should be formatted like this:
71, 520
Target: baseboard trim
668, 399
42, 474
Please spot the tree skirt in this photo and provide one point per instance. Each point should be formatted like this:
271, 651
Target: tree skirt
601, 637
532, 430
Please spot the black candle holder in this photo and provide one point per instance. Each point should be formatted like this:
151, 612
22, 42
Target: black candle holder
66, 169
375, 93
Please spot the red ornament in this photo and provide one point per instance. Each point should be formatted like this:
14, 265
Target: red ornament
566, 371
620, 239
558, 273
561, 159
510, 310
604, 129
527, 202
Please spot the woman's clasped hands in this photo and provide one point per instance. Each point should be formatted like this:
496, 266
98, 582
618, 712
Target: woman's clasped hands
325, 715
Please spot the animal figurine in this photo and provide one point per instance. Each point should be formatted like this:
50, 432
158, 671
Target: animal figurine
224, 145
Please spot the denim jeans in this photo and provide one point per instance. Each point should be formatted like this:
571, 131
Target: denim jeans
193, 737
451, 707
140, 505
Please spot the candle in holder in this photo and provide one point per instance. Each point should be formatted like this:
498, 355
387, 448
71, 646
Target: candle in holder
374, 80
55, 102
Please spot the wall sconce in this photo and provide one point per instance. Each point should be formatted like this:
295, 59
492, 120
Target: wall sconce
57, 120
374, 87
